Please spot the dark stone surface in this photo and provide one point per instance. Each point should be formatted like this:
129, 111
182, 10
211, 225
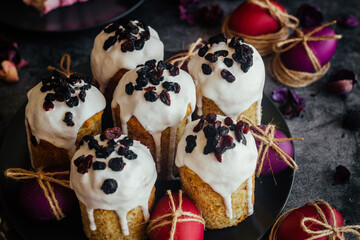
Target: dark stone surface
326, 144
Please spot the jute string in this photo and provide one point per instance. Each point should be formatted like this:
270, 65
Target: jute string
267, 140
180, 58
294, 78
44, 179
264, 43
173, 217
63, 70
329, 230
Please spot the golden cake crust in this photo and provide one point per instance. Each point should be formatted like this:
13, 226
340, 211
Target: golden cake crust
46, 154
211, 204
108, 225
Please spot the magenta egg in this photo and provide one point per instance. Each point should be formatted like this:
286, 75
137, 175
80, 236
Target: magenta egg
273, 163
36, 205
297, 59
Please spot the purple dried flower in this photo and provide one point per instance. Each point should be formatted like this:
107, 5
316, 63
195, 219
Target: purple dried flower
309, 16
342, 175
291, 104
341, 81
208, 17
348, 21
186, 9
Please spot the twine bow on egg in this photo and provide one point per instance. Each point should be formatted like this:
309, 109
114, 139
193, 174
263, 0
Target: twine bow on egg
44, 179
331, 231
263, 43
267, 140
173, 217
180, 58
63, 70
294, 78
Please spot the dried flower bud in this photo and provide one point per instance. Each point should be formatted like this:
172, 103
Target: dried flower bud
341, 81
347, 21
309, 16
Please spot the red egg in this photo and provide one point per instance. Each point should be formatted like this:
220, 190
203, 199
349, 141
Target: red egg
251, 19
273, 163
297, 59
291, 226
188, 230
36, 205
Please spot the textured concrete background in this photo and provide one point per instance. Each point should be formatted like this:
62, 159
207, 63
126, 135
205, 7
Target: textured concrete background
326, 144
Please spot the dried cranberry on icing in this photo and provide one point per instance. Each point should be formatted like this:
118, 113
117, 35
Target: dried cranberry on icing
109, 186
190, 143
129, 88
199, 126
97, 165
224, 143
127, 46
85, 164
33, 140
116, 164
211, 117
151, 88
211, 57
246, 128
79, 160
151, 63
174, 71
139, 44
228, 76
239, 132
109, 42
222, 130
151, 96
48, 105
68, 119
112, 133
165, 97
228, 121
228, 62
206, 69
217, 124
177, 87
222, 53
202, 51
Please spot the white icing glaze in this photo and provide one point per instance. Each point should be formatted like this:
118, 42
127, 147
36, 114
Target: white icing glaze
231, 98
50, 125
156, 116
238, 164
135, 183
105, 64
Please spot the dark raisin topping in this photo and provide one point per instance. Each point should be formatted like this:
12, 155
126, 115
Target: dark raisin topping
151, 63
190, 143
111, 28
116, 164
109, 42
222, 130
97, 165
211, 57
79, 160
122, 150
154, 81
228, 121
131, 37
82, 95
174, 71
161, 65
68, 119
129, 154
129, 88
211, 117
141, 81
127, 46
202, 51
233, 42
111, 142
239, 132
87, 138
85, 164
104, 152
165, 97
93, 144
50, 97
222, 53
109, 186
228, 62
33, 140
200, 125
151, 96
139, 44
72, 102
151, 88
206, 69
224, 143
233, 127
218, 39
126, 141
228, 76
138, 88
48, 105
112, 133
209, 131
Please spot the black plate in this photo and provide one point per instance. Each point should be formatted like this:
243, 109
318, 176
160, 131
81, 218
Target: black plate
271, 193
76, 17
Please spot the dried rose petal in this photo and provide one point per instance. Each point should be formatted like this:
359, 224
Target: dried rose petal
352, 120
342, 175
208, 17
347, 21
309, 16
291, 103
341, 81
